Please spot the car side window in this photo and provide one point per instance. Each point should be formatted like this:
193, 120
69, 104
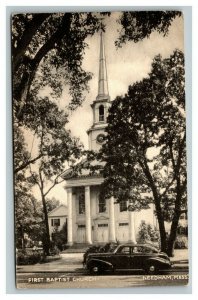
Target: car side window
138, 250
149, 250
125, 250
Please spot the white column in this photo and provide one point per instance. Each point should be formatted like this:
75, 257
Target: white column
132, 238
112, 237
69, 223
88, 215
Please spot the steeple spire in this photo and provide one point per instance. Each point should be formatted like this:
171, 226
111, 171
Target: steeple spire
103, 91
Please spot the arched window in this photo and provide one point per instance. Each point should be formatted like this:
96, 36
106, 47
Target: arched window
101, 113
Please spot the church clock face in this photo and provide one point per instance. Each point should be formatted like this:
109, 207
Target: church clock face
100, 138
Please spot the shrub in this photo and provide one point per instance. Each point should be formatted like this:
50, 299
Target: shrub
148, 234
27, 257
59, 238
54, 250
181, 242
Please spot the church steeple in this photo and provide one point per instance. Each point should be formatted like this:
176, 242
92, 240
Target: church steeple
103, 91
101, 104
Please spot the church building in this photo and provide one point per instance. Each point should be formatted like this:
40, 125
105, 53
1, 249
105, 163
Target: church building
90, 219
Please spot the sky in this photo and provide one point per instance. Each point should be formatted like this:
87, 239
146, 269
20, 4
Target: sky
125, 66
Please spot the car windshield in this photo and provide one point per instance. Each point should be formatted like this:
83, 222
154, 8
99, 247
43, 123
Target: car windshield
112, 248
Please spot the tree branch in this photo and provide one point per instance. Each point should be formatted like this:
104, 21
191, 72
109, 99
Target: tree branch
36, 180
34, 63
26, 164
57, 36
171, 154
26, 38
55, 183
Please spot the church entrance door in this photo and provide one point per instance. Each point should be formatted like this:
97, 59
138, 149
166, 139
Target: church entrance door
123, 232
81, 234
103, 233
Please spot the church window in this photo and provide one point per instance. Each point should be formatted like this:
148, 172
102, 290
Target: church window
81, 226
55, 222
102, 205
81, 204
101, 113
123, 205
102, 225
123, 224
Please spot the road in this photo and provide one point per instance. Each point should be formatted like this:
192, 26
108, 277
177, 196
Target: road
81, 279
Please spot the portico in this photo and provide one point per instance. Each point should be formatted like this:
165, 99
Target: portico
91, 219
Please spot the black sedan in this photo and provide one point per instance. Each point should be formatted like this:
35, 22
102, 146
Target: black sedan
128, 257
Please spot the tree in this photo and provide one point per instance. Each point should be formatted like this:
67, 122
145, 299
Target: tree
138, 25
145, 152
52, 203
147, 233
47, 53
28, 213
55, 148
60, 237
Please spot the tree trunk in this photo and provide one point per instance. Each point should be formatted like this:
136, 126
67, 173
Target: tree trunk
173, 234
161, 224
47, 237
158, 208
22, 238
175, 221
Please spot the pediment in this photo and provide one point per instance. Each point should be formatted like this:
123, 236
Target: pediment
101, 218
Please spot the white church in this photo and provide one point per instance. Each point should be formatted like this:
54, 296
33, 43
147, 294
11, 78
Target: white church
90, 219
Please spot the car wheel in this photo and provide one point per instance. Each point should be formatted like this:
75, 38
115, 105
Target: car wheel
151, 269
95, 270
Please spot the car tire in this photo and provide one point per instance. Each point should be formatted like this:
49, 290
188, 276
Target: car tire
151, 269
95, 270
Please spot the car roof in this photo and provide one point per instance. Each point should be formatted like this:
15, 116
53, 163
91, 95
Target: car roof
138, 245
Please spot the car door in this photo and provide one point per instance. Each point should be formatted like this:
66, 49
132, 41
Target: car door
122, 258
137, 257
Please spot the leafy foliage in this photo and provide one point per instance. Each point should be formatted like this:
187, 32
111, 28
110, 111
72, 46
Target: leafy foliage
181, 242
137, 25
27, 257
60, 237
28, 214
52, 203
147, 233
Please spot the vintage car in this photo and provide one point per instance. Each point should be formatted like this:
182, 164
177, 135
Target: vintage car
128, 257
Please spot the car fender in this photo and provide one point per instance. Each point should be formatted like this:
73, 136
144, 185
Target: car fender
100, 262
159, 260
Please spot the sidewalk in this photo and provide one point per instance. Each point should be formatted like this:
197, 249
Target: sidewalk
180, 259
72, 262
69, 262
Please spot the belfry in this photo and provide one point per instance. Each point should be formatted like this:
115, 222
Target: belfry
91, 219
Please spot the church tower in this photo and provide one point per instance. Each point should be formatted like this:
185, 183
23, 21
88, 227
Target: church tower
101, 105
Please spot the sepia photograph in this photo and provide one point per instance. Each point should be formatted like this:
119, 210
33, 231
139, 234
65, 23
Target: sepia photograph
99, 149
